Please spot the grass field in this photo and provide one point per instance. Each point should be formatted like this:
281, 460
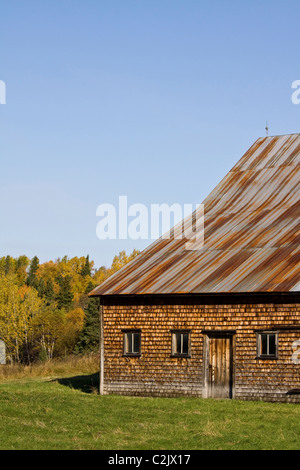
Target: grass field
63, 411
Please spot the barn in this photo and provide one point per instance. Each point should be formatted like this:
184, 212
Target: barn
221, 320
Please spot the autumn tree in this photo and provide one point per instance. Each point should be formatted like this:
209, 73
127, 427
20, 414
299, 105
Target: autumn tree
71, 330
31, 306
18, 308
21, 267
10, 327
47, 331
121, 259
9, 265
45, 309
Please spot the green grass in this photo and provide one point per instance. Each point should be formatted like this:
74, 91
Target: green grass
67, 413
46, 415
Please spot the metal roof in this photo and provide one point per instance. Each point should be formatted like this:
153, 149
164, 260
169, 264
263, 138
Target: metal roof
251, 236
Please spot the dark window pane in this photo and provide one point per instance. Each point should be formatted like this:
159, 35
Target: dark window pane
129, 343
272, 345
136, 345
178, 343
264, 344
185, 346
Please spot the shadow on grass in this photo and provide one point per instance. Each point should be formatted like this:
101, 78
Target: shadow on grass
85, 383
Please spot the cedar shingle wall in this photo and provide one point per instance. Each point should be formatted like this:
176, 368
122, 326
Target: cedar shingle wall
156, 373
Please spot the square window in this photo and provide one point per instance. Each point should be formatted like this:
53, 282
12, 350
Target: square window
267, 345
180, 343
132, 342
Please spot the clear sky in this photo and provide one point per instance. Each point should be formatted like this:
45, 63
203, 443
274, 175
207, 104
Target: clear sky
152, 99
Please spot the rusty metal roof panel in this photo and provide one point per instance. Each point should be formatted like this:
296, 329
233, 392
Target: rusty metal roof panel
251, 234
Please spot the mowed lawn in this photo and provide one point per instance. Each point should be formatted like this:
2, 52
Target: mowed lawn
41, 413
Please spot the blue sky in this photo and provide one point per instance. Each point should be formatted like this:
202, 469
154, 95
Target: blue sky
152, 99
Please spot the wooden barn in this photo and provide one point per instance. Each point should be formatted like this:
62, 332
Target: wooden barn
221, 320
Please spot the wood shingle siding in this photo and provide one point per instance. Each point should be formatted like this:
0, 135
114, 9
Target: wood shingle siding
157, 373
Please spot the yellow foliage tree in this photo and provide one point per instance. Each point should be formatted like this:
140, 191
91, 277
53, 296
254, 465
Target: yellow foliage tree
72, 327
10, 325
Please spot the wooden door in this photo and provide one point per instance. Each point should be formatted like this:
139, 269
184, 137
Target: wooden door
218, 364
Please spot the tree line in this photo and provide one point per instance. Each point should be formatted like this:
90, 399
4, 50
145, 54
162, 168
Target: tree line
45, 311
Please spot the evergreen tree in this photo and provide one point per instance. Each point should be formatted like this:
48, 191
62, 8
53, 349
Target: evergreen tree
65, 295
86, 270
49, 292
46, 291
89, 287
32, 279
89, 337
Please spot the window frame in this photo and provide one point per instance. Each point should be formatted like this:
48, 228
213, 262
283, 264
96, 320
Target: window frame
132, 353
266, 355
174, 343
